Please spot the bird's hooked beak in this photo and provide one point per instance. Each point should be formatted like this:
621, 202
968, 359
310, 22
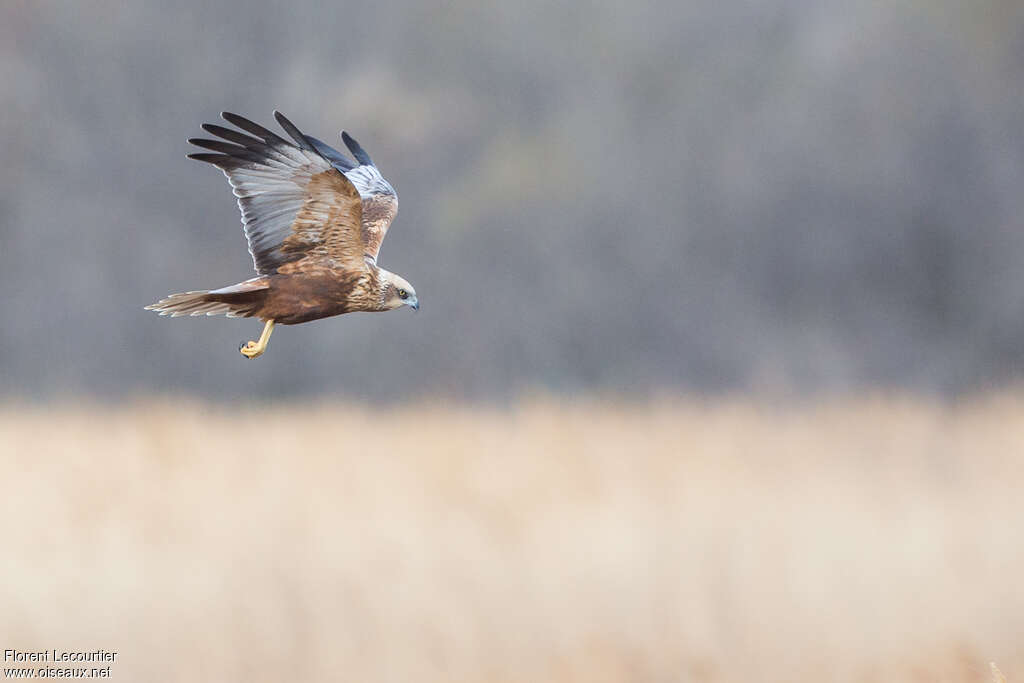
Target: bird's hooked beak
413, 303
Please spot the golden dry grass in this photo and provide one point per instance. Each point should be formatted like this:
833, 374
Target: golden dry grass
856, 540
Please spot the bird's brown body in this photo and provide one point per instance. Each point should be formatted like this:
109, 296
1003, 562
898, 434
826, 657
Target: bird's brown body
314, 220
314, 293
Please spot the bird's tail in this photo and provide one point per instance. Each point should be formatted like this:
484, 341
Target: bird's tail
233, 305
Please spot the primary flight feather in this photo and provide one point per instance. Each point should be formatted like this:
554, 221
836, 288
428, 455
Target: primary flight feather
314, 220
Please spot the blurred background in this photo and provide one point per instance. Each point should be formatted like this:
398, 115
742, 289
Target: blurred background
618, 197
633, 228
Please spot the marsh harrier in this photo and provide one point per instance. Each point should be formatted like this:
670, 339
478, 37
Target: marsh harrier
314, 220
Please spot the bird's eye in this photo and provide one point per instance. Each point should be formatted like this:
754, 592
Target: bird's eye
402, 294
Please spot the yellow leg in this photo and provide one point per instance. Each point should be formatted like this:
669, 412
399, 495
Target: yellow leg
255, 349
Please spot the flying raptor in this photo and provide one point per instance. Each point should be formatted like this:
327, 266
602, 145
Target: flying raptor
314, 220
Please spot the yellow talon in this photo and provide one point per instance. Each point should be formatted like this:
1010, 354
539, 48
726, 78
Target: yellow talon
255, 349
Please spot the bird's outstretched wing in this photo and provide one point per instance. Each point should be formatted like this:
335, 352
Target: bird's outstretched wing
380, 202
295, 203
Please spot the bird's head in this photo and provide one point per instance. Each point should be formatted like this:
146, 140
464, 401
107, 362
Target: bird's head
398, 292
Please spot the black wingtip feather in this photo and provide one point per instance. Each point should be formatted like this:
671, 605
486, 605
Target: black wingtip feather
293, 131
213, 144
357, 151
232, 135
228, 149
248, 126
339, 160
220, 160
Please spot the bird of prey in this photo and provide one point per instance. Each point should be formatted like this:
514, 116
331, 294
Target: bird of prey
314, 220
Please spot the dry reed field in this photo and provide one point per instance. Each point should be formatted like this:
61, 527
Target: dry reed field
870, 539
